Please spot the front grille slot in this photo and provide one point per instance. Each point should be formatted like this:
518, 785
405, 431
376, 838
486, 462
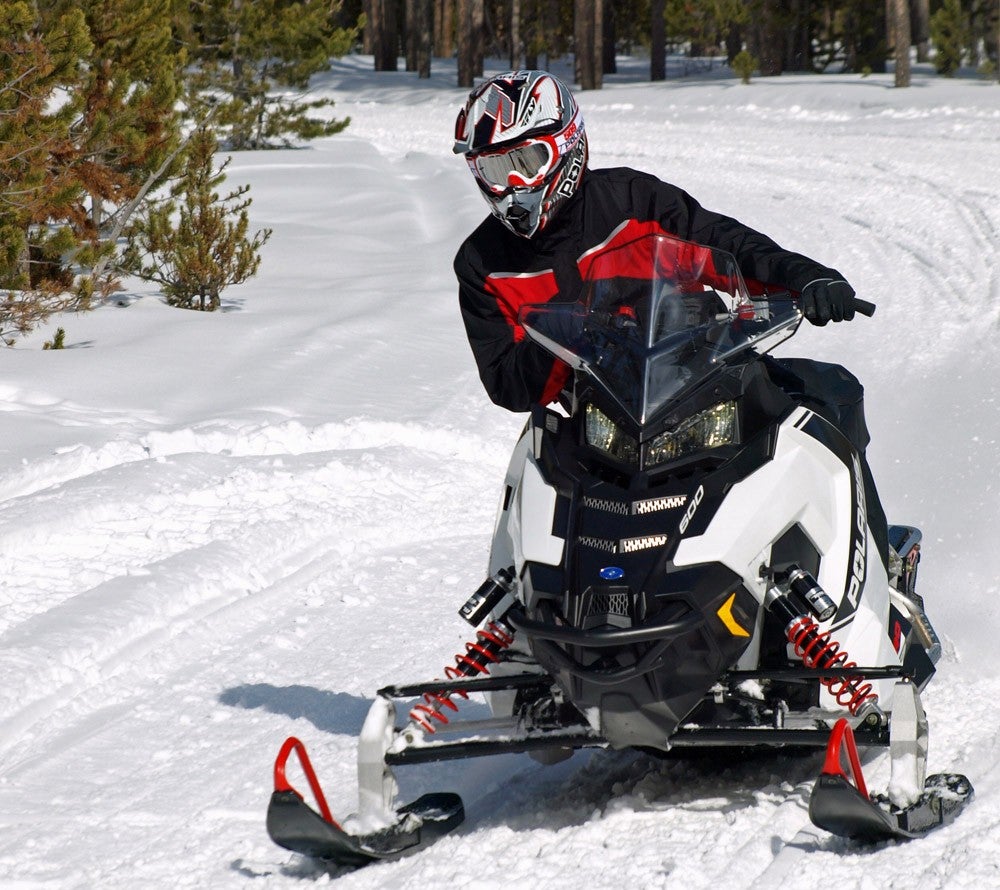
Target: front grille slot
636, 508
646, 542
616, 603
625, 545
654, 505
604, 606
607, 505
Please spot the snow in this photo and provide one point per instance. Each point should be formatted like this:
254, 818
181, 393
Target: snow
217, 530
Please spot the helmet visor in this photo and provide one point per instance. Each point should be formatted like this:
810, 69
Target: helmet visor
522, 166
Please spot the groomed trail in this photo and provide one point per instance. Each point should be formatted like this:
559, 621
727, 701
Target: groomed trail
219, 531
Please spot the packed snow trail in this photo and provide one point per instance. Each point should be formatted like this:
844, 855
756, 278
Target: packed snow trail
216, 531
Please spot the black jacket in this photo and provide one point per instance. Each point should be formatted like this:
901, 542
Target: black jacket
498, 272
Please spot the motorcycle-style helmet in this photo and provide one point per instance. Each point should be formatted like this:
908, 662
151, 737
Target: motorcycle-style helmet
522, 136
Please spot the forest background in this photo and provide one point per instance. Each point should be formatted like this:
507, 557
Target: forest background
112, 112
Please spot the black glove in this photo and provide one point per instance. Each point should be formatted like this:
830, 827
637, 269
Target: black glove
827, 299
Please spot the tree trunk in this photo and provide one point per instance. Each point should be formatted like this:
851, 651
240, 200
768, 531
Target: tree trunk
424, 26
531, 27
444, 16
734, 42
367, 36
580, 45
465, 60
478, 37
390, 38
657, 41
597, 52
22, 262
410, 33
96, 215
771, 38
899, 23
373, 28
609, 64
516, 41
798, 41
920, 25
588, 29
383, 26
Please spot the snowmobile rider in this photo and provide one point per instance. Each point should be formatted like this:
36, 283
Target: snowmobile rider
523, 137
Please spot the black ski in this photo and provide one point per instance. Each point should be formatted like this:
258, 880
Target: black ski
846, 809
838, 807
294, 825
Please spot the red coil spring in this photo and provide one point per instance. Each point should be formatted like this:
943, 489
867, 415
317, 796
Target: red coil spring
817, 650
478, 655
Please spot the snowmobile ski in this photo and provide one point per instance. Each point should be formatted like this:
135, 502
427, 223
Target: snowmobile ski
846, 809
296, 826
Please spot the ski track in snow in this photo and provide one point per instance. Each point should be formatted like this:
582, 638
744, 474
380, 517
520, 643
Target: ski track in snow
188, 575
153, 545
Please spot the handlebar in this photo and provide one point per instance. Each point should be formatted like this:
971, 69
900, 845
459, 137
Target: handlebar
863, 307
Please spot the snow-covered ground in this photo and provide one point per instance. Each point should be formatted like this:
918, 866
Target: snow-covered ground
220, 529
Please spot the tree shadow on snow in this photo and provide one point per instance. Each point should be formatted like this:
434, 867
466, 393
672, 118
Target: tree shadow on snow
333, 712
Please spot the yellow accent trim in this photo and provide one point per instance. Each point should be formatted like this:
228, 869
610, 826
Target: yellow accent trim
726, 614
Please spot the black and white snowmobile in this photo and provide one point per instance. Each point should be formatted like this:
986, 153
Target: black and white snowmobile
684, 556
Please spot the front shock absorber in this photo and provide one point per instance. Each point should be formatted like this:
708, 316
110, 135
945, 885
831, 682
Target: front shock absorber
493, 596
817, 649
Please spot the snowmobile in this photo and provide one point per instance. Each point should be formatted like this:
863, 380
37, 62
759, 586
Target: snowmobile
684, 557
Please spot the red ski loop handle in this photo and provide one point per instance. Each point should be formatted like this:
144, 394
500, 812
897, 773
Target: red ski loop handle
281, 782
842, 737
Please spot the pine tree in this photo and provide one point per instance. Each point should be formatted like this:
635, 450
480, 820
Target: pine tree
127, 126
705, 26
195, 242
949, 33
245, 50
41, 62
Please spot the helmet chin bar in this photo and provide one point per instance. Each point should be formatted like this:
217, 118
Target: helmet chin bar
519, 218
521, 212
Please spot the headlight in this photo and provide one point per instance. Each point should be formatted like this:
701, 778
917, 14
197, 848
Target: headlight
603, 433
711, 428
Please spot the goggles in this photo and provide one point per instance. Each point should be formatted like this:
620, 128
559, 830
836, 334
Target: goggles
523, 166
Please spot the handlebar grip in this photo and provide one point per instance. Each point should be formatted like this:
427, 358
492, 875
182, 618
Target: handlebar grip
864, 307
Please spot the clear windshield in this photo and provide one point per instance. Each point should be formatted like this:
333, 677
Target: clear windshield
657, 315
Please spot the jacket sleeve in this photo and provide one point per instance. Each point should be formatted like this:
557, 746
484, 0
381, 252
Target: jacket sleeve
516, 372
761, 260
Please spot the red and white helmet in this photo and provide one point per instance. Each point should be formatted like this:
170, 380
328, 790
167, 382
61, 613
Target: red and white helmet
523, 138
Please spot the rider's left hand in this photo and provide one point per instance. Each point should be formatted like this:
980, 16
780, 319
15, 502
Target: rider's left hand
828, 299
